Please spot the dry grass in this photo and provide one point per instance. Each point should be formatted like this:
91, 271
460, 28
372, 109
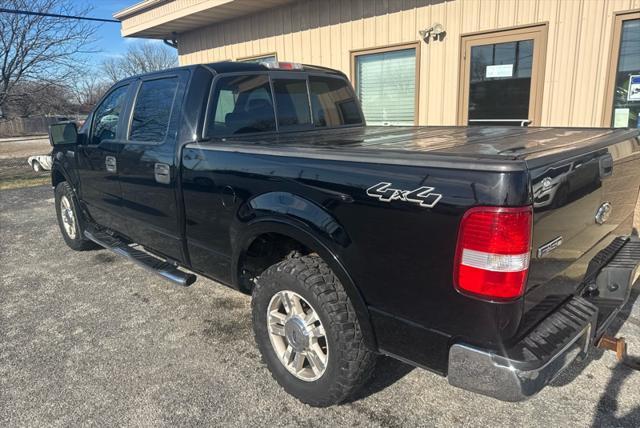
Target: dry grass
19, 182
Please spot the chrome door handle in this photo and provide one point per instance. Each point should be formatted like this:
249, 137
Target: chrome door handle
162, 172
110, 164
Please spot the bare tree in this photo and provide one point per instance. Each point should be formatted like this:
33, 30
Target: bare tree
140, 58
88, 90
39, 98
41, 49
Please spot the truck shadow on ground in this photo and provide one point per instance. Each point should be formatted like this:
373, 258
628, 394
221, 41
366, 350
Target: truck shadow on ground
609, 399
387, 372
578, 367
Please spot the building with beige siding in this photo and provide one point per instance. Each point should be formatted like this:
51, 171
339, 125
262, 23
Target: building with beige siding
431, 62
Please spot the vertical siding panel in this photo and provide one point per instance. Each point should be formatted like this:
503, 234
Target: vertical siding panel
580, 61
394, 21
423, 17
437, 56
408, 26
287, 51
565, 61
217, 51
183, 42
336, 36
587, 83
296, 37
470, 20
526, 11
316, 37
262, 35
325, 34
369, 23
488, 13
453, 13
279, 32
506, 14
345, 35
381, 23
548, 11
271, 31
357, 25
303, 52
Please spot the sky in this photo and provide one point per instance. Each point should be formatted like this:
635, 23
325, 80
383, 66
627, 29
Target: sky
109, 42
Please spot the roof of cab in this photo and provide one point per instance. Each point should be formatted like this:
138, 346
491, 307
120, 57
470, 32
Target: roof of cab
235, 66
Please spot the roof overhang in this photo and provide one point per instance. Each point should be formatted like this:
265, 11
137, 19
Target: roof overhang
162, 19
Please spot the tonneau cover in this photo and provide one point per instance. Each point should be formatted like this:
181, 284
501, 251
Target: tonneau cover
497, 143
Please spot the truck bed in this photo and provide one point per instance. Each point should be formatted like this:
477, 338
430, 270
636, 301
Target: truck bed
567, 174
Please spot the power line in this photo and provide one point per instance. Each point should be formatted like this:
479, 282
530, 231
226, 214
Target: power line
55, 15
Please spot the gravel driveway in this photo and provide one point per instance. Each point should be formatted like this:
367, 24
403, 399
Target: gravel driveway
90, 339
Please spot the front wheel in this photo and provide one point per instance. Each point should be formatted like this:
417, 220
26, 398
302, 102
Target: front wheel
69, 218
308, 333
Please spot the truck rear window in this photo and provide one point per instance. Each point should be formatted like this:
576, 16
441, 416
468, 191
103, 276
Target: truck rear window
241, 105
245, 104
292, 103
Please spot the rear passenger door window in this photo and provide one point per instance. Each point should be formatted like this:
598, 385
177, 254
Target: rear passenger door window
152, 110
292, 103
333, 102
241, 105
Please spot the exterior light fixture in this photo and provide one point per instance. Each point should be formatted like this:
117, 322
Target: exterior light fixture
435, 32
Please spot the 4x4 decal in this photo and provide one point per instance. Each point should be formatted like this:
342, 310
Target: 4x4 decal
422, 196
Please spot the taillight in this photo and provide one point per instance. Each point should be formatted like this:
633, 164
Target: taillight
492, 256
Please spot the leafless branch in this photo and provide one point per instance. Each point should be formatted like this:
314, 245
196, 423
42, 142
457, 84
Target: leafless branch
38, 48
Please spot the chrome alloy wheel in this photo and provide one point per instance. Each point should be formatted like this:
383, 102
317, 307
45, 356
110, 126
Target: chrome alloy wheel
297, 335
68, 218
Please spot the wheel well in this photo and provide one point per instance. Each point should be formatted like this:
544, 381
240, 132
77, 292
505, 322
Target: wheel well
266, 250
57, 178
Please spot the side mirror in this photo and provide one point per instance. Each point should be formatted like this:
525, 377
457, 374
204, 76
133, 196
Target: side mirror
63, 133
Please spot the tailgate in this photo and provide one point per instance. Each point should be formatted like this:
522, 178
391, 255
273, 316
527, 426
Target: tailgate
582, 202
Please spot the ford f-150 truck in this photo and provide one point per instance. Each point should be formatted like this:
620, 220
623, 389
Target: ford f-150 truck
495, 256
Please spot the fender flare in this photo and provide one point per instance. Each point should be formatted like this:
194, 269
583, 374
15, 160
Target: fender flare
58, 169
302, 233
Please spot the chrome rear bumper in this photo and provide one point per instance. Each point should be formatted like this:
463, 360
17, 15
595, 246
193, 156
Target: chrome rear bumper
531, 366
567, 334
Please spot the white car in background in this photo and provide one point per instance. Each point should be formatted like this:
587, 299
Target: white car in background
40, 162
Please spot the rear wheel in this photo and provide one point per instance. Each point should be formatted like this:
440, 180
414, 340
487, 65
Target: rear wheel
308, 333
70, 220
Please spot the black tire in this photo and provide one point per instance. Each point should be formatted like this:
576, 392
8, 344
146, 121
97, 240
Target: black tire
350, 363
78, 242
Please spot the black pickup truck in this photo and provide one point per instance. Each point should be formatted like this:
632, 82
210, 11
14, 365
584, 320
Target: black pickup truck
494, 256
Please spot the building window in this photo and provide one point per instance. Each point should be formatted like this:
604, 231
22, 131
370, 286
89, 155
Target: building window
626, 80
386, 85
271, 59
